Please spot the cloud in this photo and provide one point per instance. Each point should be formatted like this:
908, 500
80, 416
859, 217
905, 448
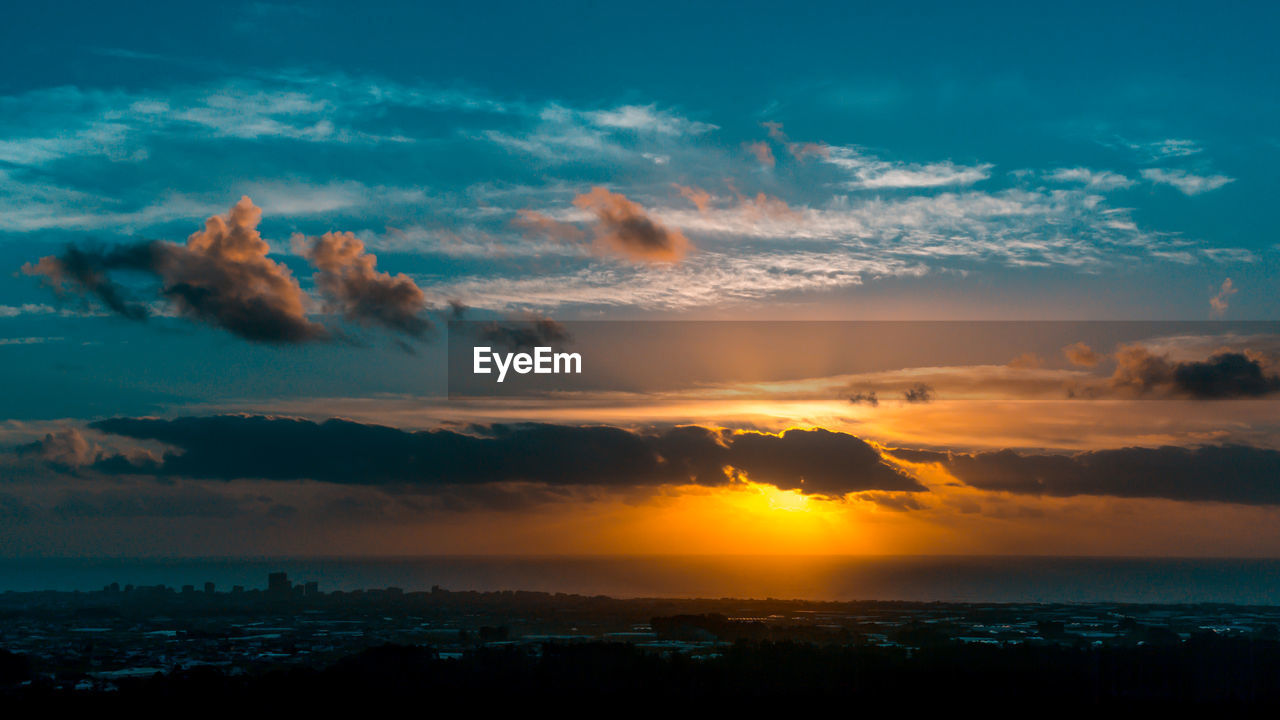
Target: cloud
918, 393
348, 279
623, 227
1185, 182
516, 335
874, 174
647, 118
222, 276
65, 449
85, 270
1079, 353
1102, 180
547, 226
798, 150
1220, 473
865, 398
1026, 361
1161, 149
1224, 375
338, 451
1219, 302
896, 502
762, 153
700, 198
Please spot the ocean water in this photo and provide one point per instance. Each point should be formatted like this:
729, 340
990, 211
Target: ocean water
957, 579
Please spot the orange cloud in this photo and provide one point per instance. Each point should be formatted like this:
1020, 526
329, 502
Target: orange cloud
1219, 302
798, 150
1027, 361
763, 153
222, 276
623, 227
1081, 354
540, 223
765, 206
700, 198
347, 276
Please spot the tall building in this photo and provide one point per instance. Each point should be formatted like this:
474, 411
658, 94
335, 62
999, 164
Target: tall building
278, 583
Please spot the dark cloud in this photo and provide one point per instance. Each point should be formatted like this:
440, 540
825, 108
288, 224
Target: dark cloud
1223, 473
14, 509
222, 276
623, 227
87, 271
918, 393
340, 451
814, 461
1224, 375
896, 502
192, 503
348, 280
865, 398
522, 334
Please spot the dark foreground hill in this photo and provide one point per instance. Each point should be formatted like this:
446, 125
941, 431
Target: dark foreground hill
1204, 671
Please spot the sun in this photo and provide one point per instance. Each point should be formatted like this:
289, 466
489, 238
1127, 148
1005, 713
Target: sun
785, 500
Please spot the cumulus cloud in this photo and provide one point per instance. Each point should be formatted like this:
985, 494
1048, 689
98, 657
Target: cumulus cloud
1224, 375
1186, 183
1219, 302
1078, 353
66, 448
340, 451
221, 276
623, 227
348, 280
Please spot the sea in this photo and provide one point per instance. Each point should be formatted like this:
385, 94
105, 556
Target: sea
915, 578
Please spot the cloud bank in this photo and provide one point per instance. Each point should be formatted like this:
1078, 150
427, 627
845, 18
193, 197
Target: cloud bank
339, 451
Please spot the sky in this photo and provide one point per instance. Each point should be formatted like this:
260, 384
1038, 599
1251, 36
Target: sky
234, 237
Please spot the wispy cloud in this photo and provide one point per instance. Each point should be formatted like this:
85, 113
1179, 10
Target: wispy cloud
873, 173
1101, 180
1187, 183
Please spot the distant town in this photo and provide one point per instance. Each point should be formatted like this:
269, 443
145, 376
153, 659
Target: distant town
92, 642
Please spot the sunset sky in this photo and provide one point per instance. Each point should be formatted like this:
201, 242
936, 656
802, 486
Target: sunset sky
234, 237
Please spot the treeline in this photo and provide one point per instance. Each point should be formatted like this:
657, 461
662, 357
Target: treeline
1205, 670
